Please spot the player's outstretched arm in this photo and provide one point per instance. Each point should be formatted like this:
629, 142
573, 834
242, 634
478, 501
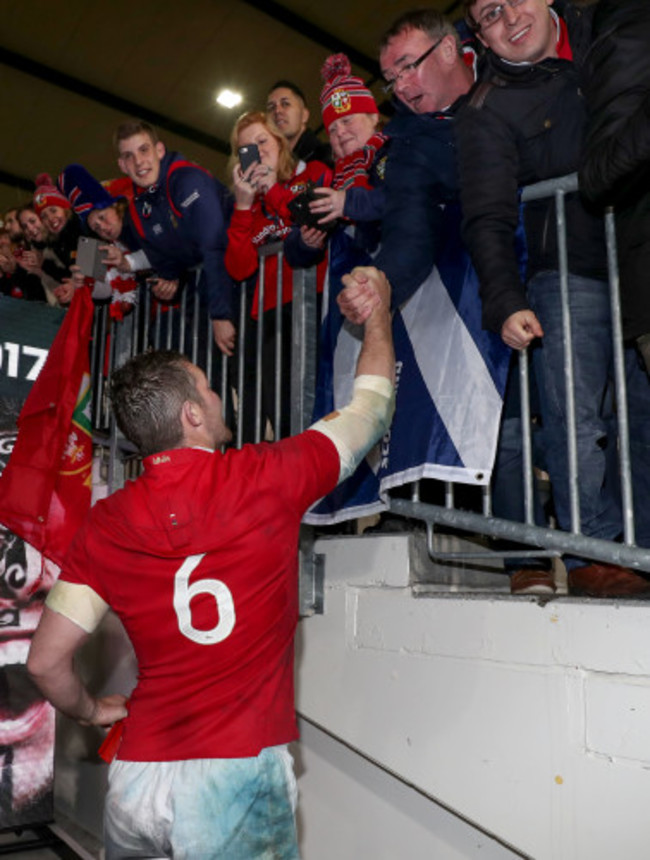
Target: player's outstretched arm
366, 299
359, 425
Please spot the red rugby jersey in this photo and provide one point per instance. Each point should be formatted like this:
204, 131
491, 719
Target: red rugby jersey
198, 557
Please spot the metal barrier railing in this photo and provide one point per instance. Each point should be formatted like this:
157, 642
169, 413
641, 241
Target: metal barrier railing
242, 381
264, 395
550, 541
239, 380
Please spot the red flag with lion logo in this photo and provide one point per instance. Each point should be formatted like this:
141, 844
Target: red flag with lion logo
45, 488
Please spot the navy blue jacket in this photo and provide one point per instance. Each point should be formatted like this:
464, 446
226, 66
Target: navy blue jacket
181, 223
420, 176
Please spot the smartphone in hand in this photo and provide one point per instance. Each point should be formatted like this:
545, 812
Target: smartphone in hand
248, 155
89, 258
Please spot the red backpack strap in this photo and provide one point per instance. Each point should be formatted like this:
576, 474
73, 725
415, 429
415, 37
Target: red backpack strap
135, 218
173, 167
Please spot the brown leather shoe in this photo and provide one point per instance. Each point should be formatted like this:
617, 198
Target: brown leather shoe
608, 580
530, 580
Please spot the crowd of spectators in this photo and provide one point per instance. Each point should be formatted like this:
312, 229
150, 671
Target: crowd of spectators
480, 110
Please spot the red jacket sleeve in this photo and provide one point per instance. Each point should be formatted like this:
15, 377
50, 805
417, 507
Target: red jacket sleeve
241, 254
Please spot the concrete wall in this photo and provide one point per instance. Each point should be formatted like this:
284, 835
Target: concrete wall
531, 721
350, 808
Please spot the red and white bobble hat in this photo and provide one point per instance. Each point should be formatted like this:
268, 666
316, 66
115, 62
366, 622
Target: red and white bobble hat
343, 93
47, 194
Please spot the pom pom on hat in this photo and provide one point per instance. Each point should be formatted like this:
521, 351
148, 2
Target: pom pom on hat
343, 92
83, 191
335, 66
47, 194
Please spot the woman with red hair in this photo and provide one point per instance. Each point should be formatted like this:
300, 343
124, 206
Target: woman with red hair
263, 192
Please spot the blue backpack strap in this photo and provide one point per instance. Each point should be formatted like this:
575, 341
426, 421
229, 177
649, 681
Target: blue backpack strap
173, 168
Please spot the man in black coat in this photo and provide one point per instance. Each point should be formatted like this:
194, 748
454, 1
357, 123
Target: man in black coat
616, 164
524, 122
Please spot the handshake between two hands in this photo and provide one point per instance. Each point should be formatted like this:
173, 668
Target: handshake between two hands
365, 289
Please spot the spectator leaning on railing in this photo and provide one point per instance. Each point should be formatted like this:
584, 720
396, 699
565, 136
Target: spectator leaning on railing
36, 257
356, 196
524, 122
104, 214
263, 191
179, 214
14, 280
616, 163
63, 231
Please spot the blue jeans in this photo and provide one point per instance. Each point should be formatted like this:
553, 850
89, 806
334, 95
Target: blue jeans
598, 474
203, 809
507, 475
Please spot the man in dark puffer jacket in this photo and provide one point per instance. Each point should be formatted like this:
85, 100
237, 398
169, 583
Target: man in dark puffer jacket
524, 122
616, 163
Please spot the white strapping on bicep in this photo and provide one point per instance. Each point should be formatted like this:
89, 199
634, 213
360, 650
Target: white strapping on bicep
77, 602
359, 425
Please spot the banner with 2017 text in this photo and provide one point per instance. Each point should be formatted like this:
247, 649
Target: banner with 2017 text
26, 720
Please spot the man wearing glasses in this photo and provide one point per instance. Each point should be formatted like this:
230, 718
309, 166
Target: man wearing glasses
426, 68
523, 123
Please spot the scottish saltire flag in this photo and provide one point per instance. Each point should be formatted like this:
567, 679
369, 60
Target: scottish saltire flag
451, 376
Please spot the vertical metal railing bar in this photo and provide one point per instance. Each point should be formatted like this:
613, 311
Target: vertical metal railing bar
97, 346
526, 436
449, 494
146, 325
225, 393
619, 380
169, 317
298, 354
304, 334
259, 348
241, 348
277, 410
572, 446
183, 318
136, 315
209, 353
157, 326
121, 346
196, 315
486, 499
104, 329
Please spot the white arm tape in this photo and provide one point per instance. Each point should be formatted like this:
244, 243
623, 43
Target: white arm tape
359, 425
77, 602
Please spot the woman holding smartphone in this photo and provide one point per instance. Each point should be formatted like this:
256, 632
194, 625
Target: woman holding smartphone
36, 257
271, 178
263, 187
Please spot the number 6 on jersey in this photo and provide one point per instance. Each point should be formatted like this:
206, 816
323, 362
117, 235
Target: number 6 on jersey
183, 594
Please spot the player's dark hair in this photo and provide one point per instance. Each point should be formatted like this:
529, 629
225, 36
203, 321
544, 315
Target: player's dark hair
147, 394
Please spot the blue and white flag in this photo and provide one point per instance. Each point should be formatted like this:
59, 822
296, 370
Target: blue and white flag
451, 376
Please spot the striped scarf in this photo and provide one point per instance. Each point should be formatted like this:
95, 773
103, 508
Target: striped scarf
353, 170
